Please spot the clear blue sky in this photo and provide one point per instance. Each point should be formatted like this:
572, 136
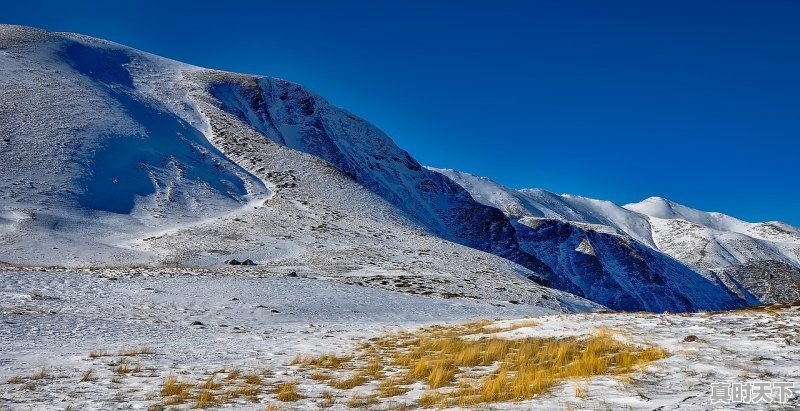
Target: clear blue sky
696, 101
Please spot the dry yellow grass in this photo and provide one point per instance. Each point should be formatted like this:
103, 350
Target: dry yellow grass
98, 353
287, 392
327, 399
175, 391
466, 365
521, 324
249, 392
87, 376
475, 366
355, 380
205, 399
133, 352
320, 376
431, 399
253, 379
210, 392
210, 383
391, 387
330, 361
42, 374
17, 379
374, 368
360, 401
123, 368
441, 374
233, 374
581, 391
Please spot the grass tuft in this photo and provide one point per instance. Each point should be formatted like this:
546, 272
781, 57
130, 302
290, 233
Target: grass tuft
356, 380
233, 374
205, 399
133, 352
253, 379
361, 401
87, 376
175, 391
327, 400
287, 392
42, 374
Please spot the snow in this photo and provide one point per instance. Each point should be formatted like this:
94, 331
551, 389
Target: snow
256, 321
92, 156
127, 180
160, 162
720, 247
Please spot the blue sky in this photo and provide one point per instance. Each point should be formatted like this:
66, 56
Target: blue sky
696, 101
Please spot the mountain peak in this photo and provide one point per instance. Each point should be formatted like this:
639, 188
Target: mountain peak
654, 206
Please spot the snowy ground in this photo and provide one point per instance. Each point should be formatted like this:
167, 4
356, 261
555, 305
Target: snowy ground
338, 263
253, 321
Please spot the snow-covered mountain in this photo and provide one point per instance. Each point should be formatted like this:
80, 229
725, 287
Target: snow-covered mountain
757, 261
112, 156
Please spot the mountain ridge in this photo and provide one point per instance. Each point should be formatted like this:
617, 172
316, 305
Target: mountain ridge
260, 168
711, 243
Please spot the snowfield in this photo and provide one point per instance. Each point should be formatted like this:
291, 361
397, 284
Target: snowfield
195, 324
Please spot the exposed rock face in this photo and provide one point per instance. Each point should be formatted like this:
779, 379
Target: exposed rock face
758, 262
618, 270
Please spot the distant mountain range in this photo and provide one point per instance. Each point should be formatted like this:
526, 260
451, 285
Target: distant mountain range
112, 156
757, 261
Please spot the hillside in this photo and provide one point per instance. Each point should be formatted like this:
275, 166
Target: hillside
118, 157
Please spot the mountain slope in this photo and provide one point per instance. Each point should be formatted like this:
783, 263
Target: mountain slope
110, 161
86, 146
291, 116
757, 261
120, 157
762, 257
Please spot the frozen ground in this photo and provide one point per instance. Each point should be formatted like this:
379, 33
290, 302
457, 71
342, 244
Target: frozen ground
115, 158
197, 322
